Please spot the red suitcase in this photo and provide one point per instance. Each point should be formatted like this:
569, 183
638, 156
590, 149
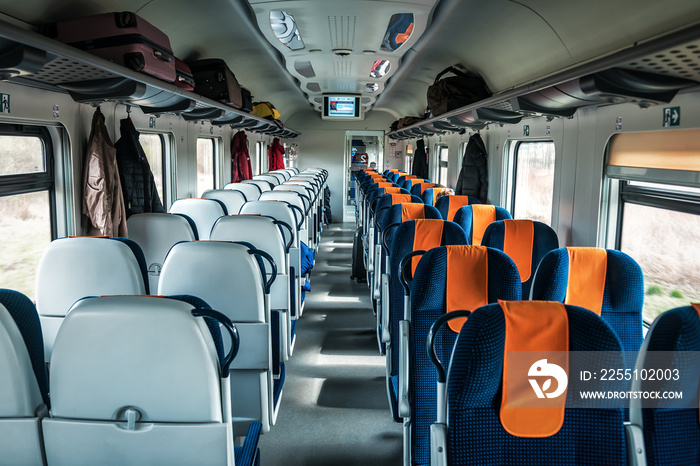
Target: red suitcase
123, 38
184, 80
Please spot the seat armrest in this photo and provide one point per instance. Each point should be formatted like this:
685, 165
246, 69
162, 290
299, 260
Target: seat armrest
403, 347
386, 322
634, 436
438, 444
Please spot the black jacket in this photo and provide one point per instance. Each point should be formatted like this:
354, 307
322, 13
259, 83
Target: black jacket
138, 185
420, 161
474, 176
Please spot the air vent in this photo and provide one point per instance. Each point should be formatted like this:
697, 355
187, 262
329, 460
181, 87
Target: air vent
304, 68
313, 87
342, 31
342, 68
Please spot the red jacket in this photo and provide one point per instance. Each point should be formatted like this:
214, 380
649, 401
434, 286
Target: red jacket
275, 156
240, 158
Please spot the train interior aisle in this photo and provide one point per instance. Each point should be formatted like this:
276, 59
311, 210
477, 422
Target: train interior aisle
335, 409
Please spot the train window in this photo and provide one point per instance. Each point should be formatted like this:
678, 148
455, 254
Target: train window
154, 147
27, 219
408, 160
206, 157
260, 154
442, 155
532, 180
653, 201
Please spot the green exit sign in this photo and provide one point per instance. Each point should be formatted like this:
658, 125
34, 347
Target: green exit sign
672, 116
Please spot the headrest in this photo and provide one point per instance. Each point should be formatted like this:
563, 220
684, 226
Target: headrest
138, 370
278, 210
22, 367
528, 407
263, 185
259, 231
455, 203
412, 211
384, 184
400, 198
482, 216
466, 285
233, 200
518, 243
587, 272
392, 190
250, 191
204, 213
427, 234
72, 268
223, 274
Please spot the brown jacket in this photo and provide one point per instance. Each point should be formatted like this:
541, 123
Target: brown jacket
103, 202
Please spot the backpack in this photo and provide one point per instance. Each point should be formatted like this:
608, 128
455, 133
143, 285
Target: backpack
457, 91
265, 110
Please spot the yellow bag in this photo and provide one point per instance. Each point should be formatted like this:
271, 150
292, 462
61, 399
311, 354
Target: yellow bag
265, 110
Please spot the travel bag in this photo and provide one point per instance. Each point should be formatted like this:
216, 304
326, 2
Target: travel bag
247, 99
184, 80
215, 80
265, 110
121, 37
358, 270
453, 92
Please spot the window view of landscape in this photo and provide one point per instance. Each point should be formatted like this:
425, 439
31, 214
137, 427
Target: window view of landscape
153, 147
534, 184
664, 244
205, 165
25, 219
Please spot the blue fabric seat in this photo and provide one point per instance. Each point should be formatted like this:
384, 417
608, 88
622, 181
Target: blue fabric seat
475, 434
671, 431
428, 303
393, 305
623, 296
544, 239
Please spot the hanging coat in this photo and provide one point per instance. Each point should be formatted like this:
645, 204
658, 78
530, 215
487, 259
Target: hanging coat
275, 156
420, 161
138, 185
103, 204
240, 158
474, 177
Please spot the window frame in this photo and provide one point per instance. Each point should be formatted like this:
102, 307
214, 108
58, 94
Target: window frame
511, 173
24, 183
439, 162
216, 159
166, 141
618, 191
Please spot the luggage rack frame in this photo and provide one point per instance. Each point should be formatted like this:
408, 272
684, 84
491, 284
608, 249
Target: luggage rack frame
31, 59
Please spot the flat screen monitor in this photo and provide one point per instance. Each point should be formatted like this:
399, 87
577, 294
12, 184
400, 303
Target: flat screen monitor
342, 107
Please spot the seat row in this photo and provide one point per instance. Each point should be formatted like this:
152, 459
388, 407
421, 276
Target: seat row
245, 271
605, 281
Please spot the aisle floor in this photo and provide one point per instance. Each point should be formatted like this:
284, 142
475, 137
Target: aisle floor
334, 408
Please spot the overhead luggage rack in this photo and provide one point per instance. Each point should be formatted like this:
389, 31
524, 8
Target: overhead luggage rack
30, 59
634, 75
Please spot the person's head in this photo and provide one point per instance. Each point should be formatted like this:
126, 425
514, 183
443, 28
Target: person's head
373, 165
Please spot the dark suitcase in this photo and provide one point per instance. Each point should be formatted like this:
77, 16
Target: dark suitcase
247, 99
358, 270
184, 80
214, 79
121, 37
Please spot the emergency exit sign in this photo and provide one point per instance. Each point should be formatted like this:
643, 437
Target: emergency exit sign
672, 116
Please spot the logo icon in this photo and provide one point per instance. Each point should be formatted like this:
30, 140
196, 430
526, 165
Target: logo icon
542, 368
